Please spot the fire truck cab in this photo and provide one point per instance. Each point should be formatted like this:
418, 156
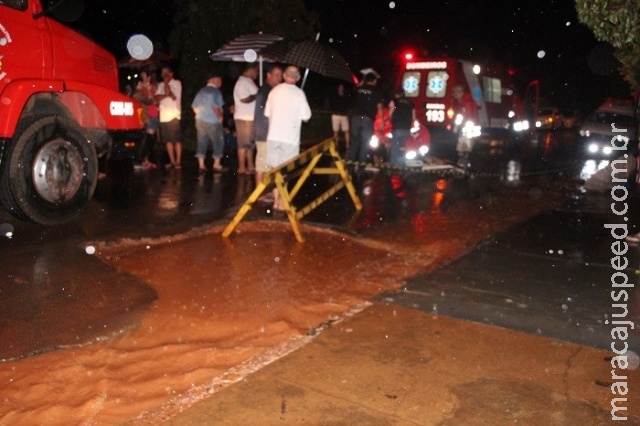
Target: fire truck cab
429, 83
60, 110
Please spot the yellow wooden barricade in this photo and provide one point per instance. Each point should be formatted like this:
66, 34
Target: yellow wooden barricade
310, 158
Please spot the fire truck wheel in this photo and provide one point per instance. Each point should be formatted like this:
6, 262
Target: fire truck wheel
50, 172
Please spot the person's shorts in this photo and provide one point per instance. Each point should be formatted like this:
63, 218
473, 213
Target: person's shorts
243, 134
279, 153
261, 156
170, 131
340, 122
152, 125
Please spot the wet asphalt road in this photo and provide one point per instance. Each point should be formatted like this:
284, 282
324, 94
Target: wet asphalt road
550, 276
48, 282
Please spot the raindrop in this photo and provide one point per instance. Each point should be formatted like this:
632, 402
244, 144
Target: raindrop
90, 249
6, 229
148, 247
568, 23
550, 252
277, 259
560, 252
140, 47
633, 359
541, 54
564, 307
508, 300
250, 55
392, 5
569, 299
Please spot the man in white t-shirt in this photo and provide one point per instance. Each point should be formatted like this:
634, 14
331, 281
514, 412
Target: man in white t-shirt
286, 108
169, 98
244, 98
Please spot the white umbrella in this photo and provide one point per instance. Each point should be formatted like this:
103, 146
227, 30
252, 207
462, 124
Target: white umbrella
245, 48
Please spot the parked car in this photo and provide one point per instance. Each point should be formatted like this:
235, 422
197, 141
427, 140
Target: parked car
606, 129
571, 118
549, 118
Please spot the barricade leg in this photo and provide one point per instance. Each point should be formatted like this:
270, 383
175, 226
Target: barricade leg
288, 206
246, 207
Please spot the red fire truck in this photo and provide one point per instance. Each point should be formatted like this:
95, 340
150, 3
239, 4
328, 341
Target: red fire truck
60, 110
430, 84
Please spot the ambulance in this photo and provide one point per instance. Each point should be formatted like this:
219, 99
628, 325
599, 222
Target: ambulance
429, 83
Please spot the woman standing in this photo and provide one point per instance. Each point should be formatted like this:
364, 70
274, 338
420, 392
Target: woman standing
145, 91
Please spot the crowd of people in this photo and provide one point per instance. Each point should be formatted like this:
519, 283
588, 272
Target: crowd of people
264, 123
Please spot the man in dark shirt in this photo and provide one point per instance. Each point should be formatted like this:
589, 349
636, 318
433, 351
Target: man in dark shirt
402, 115
339, 103
261, 123
369, 101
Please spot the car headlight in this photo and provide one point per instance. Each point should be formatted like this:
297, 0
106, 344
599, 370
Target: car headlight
470, 130
423, 150
410, 155
593, 147
521, 126
606, 150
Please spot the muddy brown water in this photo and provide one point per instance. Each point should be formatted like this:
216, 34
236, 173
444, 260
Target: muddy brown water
225, 307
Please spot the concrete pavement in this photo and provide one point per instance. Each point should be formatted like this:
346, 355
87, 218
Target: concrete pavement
393, 365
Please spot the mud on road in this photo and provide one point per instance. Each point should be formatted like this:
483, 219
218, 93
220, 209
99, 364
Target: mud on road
225, 307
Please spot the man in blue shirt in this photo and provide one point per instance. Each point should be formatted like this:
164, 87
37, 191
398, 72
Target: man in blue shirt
207, 105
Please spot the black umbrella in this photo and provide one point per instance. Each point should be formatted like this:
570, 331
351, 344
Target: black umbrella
311, 55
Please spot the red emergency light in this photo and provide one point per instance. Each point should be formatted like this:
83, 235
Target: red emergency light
408, 56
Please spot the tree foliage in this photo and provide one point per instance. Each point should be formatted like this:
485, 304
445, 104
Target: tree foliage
618, 23
201, 27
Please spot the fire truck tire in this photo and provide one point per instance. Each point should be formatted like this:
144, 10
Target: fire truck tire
50, 171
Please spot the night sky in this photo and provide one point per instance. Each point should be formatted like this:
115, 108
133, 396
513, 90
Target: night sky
541, 40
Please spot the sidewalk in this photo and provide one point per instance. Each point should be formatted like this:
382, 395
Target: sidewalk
393, 365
